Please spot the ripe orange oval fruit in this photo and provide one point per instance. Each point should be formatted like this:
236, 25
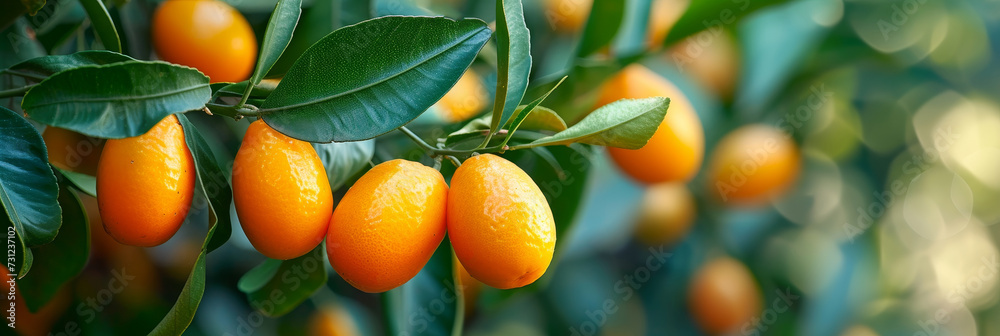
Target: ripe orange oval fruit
663, 14
145, 185
715, 64
72, 151
388, 225
675, 151
723, 296
467, 98
567, 16
281, 193
332, 321
753, 164
499, 223
666, 215
208, 35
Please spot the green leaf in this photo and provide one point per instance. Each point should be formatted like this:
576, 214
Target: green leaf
213, 183
28, 188
276, 287
541, 118
103, 25
182, 313
86, 183
627, 123
63, 258
605, 19
49, 65
388, 71
260, 91
435, 285
513, 60
713, 15
343, 160
279, 33
120, 100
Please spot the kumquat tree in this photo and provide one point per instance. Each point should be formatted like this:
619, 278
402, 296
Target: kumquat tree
508, 167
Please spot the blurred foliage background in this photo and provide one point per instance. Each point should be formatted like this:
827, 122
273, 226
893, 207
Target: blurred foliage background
887, 230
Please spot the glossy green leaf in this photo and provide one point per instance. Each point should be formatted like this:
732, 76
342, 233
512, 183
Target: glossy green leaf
543, 117
85, 183
513, 60
633, 35
61, 260
605, 19
121, 100
279, 33
213, 183
101, 21
387, 70
627, 123
434, 285
261, 91
48, 65
276, 287
28, 188
343, 160
713, 15
540, 118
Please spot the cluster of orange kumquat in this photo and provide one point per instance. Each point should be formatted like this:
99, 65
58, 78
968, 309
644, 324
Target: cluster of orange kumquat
378, 237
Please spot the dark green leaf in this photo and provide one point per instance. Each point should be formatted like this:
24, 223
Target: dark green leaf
213, 183
513, 60
182, 313
48, 65
28, 188
388, 71
121, 100
344, 159
627, 123
434, 285
713, 15
103, 25
261, 91
276, 287
279, 33
86, 183
605, 19
63, 258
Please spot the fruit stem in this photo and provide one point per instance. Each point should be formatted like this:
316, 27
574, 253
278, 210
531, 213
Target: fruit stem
24, 75
435, 152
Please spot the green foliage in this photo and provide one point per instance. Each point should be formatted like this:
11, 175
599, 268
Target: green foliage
28, 188
373, 61
343, 160
279, 33
407, 308
513, 60
61, 260
627, 123
605, 19
126, 99
101, 20
276, 287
